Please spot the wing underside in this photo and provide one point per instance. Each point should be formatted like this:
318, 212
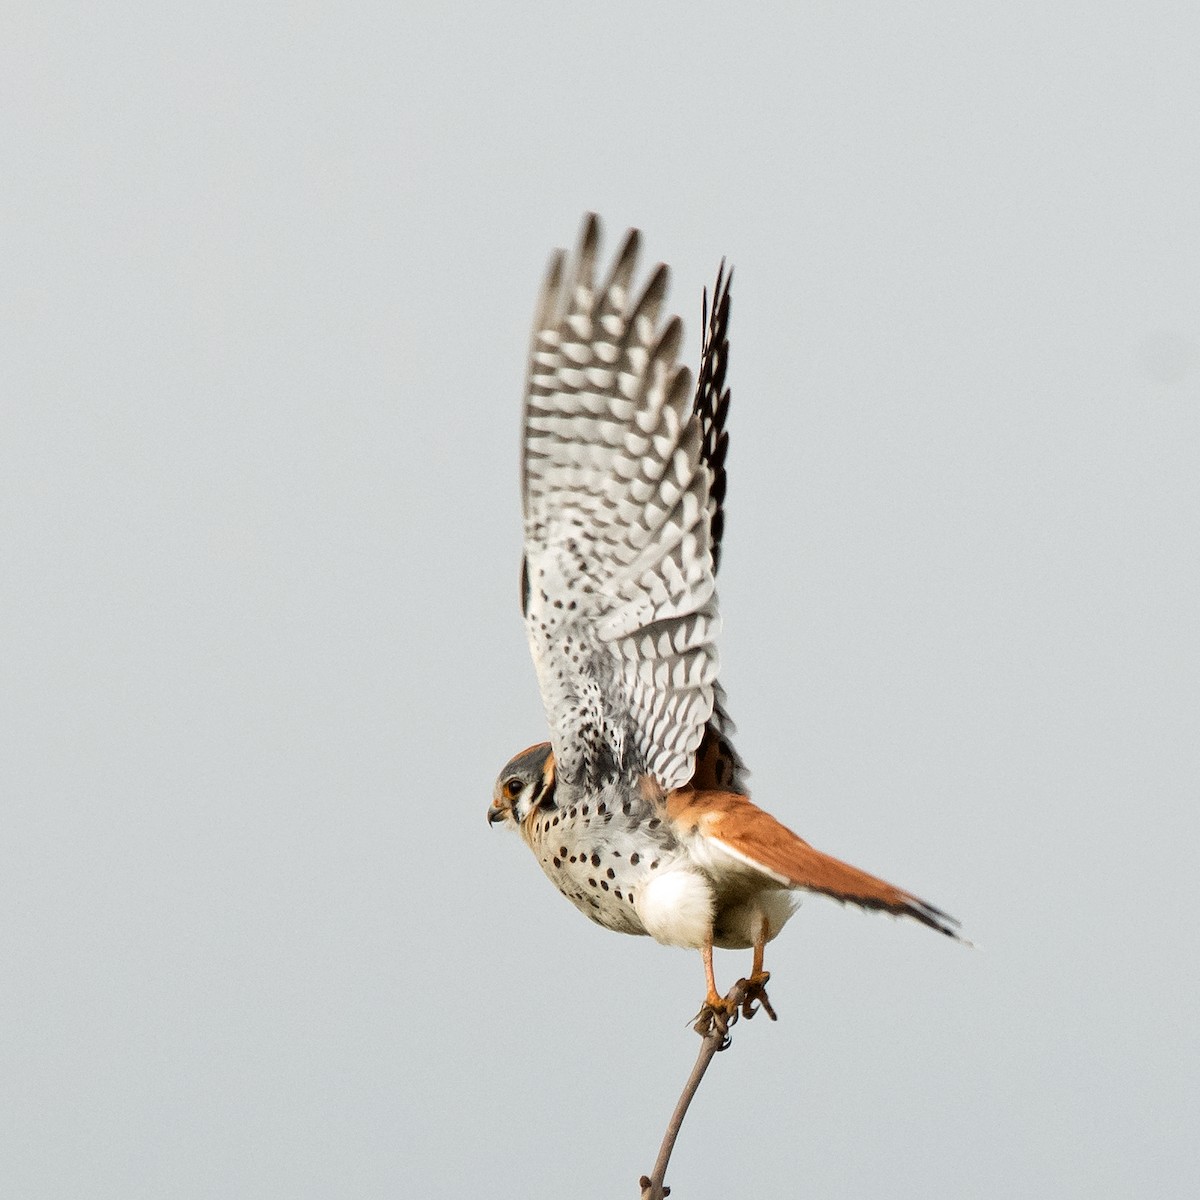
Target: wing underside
620, 497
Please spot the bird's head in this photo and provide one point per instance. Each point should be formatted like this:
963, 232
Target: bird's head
526, 783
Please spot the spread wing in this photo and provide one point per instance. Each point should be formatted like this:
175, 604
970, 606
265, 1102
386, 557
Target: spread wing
619, 576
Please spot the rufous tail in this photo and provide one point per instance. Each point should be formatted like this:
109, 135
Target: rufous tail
760, 841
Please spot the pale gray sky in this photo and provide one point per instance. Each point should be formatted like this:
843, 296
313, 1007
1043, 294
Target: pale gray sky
266, 280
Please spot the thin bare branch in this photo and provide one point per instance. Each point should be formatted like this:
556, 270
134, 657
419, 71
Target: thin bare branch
714, 1028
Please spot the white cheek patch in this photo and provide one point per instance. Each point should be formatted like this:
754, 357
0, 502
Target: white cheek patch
676, 908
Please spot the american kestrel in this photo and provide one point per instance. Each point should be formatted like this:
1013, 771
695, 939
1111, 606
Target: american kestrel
637, 808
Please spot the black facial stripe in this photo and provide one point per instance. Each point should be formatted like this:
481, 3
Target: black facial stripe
542, 796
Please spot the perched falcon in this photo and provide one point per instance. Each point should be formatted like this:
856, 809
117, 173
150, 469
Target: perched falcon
637, 808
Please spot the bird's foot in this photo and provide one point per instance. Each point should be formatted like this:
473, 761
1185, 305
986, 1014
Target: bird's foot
754, 995
716, 1015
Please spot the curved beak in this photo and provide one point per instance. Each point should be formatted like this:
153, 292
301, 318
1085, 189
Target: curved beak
496, 813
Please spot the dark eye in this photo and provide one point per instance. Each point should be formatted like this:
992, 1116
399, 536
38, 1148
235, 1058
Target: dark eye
513, 788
